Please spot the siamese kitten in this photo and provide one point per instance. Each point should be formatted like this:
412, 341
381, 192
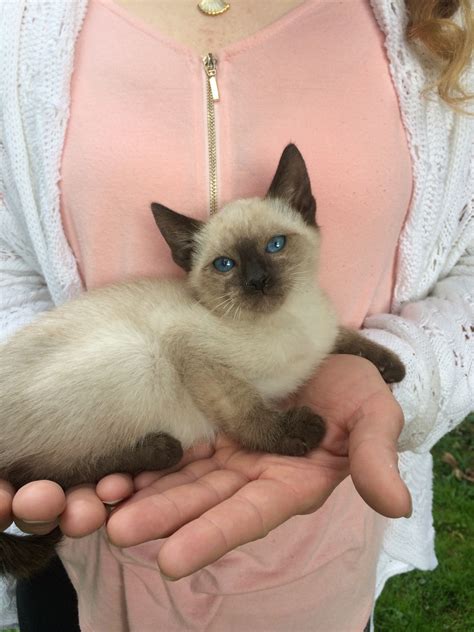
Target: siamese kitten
124, 377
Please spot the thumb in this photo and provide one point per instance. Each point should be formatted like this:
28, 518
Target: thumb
373, 457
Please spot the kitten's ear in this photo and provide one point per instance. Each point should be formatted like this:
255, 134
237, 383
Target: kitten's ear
291, 183
179, 232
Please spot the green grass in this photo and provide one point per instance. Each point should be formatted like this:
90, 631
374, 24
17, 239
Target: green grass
442, 599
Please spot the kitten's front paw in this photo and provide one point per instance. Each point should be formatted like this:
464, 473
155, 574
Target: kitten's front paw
303, 431
158, 452
390, 366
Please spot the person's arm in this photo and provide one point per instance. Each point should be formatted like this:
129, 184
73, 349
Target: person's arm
434, 337
23, 292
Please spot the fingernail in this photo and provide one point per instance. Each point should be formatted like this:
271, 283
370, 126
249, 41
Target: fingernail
38, 522
111, 503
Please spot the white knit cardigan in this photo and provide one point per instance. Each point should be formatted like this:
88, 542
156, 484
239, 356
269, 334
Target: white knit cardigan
432, 322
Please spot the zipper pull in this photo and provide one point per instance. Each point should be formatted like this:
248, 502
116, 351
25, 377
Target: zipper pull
210, 65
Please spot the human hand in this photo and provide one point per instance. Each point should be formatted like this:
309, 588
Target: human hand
231, 496
40, 506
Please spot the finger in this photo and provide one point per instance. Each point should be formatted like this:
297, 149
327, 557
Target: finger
113, 488
196, 453
159, 514
84, 513
37, 505
7, 492
189, 474
373, 456
247, 516
145, 479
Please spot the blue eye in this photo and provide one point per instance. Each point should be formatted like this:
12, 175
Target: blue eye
223, 264
276, 243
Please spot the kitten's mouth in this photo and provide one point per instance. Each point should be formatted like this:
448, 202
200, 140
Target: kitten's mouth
248, 305
257, 292
262, 301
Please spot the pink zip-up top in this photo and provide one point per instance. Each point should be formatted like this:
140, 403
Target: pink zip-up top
318, 77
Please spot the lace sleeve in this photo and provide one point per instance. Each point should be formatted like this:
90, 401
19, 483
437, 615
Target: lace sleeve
435, 339
23, 291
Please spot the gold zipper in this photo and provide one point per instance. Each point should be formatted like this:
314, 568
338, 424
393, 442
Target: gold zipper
210, 66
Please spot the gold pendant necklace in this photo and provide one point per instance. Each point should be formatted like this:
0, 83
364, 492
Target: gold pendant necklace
213, 7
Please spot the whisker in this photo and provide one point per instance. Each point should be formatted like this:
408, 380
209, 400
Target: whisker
237, 311
223, 303
229, 309
223, 296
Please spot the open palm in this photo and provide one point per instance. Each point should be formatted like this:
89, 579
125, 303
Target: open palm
225, 496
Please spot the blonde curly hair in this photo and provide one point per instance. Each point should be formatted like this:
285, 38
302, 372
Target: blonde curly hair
449, 42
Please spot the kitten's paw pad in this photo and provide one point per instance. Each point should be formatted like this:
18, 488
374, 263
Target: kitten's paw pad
304, 430
391, 368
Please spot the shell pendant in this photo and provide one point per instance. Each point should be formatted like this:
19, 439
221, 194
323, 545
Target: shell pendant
213, 7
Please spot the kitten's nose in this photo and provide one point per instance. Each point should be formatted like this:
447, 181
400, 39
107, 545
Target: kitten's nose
256, 276
259, 283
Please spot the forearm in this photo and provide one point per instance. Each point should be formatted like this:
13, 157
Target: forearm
20, 305
23, 291
434, 338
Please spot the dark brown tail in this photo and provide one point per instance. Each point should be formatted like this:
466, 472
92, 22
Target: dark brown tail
23, 556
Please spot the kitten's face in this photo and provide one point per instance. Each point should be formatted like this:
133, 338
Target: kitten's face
249, 258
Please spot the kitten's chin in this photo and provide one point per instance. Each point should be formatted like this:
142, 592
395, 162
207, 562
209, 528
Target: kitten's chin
248, 308
263, 304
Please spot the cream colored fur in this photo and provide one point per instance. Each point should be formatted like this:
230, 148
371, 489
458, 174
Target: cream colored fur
97, 374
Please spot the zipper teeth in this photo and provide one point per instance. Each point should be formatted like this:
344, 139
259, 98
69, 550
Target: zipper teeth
210, 63
212, 150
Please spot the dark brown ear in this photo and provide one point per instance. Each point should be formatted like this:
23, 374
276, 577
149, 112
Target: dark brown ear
291, 182
179, 232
